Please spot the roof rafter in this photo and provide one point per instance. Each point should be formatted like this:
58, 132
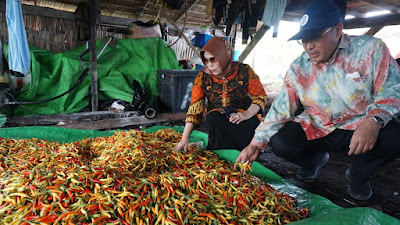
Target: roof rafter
375, 21
189, 8
383, 4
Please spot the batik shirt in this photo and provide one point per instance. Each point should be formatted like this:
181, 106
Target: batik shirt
240, 89
361, 80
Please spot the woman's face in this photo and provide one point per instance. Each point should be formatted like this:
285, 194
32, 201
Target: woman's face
212, 63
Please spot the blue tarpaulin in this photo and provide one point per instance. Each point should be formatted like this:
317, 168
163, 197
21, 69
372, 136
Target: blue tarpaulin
18, 55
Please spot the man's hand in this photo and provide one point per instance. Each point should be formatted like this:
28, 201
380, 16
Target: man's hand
364, 137
182, 144
249, 154
239, 117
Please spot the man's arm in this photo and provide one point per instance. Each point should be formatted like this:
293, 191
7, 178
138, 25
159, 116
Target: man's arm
250, 154
281, 111
386, 87
386, 105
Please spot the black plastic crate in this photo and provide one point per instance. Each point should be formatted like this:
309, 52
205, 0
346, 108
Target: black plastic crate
175, 88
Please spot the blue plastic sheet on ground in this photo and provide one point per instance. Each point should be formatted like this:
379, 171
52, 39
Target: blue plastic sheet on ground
322, 211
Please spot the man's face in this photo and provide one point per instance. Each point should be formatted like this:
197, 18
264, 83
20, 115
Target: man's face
322, 47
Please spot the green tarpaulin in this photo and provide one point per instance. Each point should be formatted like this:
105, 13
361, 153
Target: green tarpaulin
322, 211
53, 74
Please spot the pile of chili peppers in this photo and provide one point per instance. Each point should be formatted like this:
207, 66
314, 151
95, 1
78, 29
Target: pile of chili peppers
131, 177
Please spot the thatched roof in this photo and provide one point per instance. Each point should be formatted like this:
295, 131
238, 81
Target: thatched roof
193, 12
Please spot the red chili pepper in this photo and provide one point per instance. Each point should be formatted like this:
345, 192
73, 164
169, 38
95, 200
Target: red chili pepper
61, 197
31, 217
124, 222
48, 219
113, 221
97, 220
100, 206
33, 187
3, 205
97, 181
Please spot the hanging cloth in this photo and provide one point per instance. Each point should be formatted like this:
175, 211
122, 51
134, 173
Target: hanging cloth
250, 20
234, 10
220, 11
273, 13
19, 59
1, 58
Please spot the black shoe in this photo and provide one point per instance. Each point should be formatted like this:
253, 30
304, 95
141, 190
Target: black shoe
307, 175
358, 190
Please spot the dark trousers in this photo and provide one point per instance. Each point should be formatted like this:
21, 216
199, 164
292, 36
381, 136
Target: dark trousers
291, 144
223, 134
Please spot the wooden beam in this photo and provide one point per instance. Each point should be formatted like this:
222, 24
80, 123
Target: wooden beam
189, 8
373, 30
115, 21
123, 122
99, 120
53, 119
41, 11
54, 13
260, 33
355, 13
93, 16
375, 21
384, 5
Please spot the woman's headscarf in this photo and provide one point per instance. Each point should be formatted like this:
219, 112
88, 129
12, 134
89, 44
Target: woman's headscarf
222, 50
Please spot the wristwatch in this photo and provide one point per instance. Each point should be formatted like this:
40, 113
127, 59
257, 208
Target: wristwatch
378, 120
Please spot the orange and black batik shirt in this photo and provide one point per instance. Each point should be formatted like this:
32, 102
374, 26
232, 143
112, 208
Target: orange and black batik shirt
240, 89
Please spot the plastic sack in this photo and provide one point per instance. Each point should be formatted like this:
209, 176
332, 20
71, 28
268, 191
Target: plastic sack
201, 39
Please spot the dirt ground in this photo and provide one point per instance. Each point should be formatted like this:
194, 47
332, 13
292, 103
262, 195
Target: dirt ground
332, 184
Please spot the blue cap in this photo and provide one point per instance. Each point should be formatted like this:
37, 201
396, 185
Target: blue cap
319, 15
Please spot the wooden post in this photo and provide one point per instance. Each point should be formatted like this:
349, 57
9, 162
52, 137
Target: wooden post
93, 15
373, 30
260, 33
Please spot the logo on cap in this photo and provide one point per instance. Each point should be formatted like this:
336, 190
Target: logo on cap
304, 20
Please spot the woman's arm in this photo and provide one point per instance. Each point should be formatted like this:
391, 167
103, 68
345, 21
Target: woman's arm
184, 142
195, 112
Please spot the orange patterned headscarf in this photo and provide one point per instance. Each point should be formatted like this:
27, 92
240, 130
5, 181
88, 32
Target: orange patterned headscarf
222, 50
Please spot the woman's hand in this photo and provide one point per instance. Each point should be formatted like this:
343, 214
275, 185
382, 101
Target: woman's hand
182, 144
245, 115
239, 117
